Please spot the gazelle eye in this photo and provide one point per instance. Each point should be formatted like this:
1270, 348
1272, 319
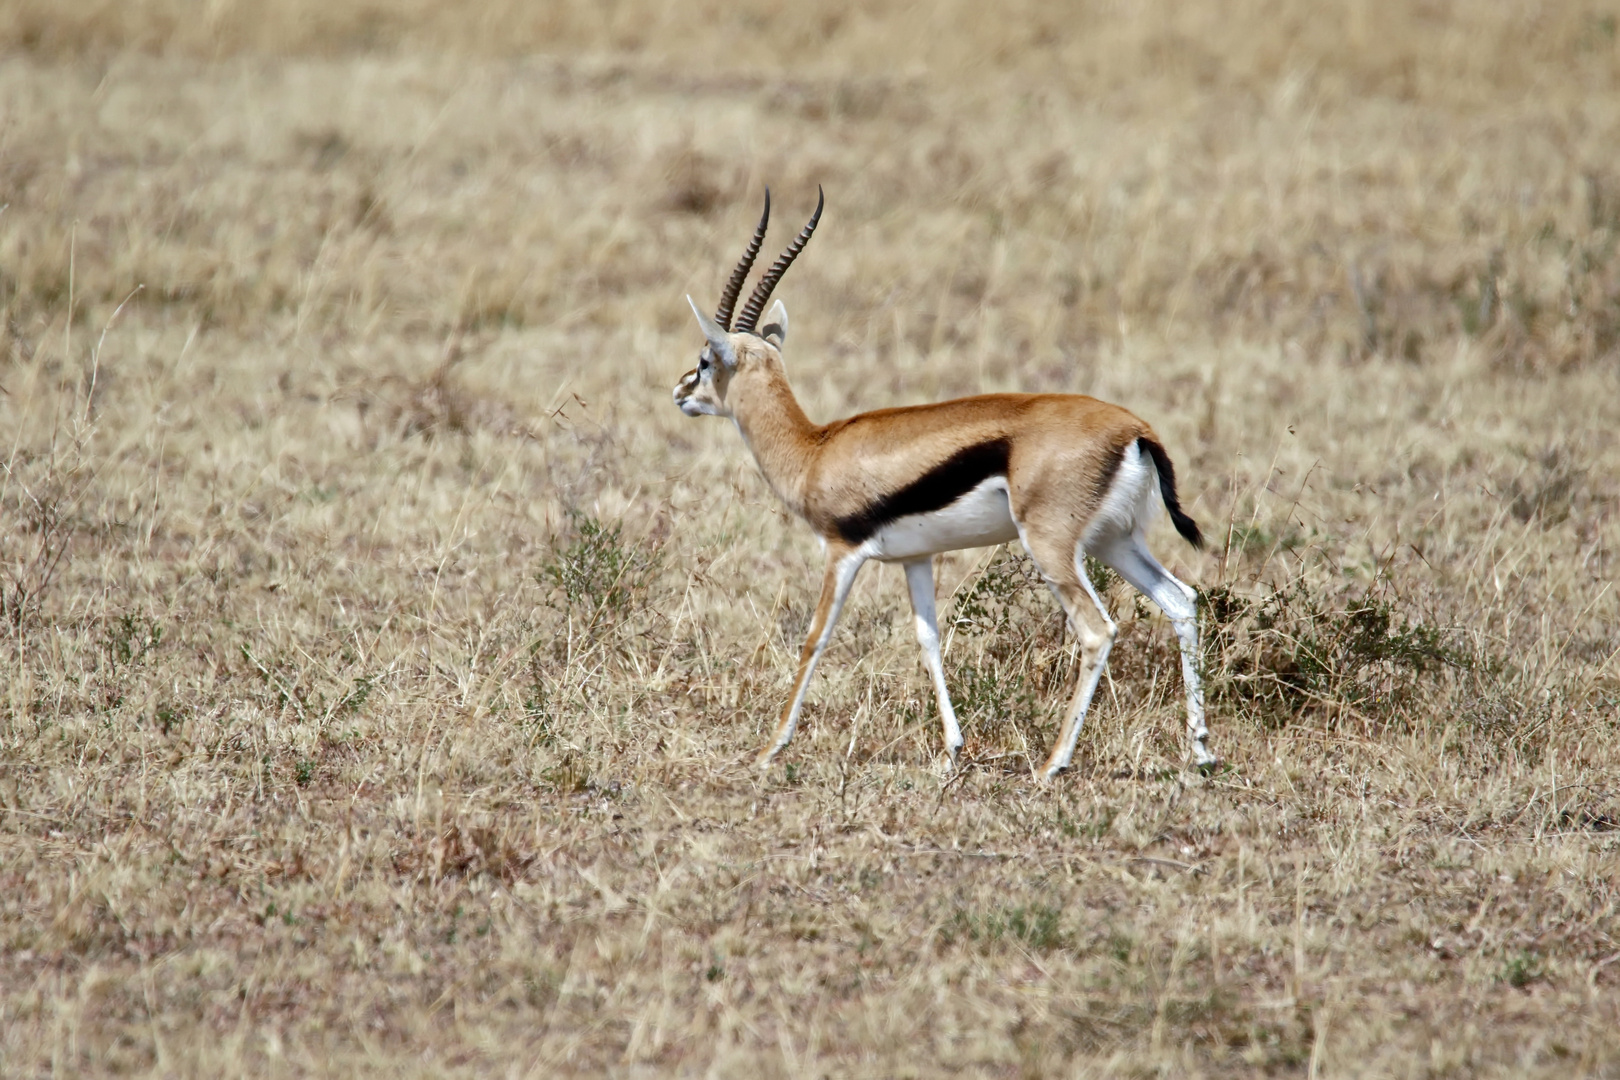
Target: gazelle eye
703, 363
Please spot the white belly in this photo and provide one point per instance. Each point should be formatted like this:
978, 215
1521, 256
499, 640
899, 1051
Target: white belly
980, 518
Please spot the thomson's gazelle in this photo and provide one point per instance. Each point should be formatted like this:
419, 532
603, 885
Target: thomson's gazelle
1068, 476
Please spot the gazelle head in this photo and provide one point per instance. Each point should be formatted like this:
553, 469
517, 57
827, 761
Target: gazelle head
734, 353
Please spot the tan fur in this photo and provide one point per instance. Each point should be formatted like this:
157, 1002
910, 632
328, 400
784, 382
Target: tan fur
1060, 442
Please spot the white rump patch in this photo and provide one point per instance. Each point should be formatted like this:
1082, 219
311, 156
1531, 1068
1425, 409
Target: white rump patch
1130, 503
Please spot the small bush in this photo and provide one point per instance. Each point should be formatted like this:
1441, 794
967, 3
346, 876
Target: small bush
993, 692
1009, 633
128, 639
597, 574
1036, 925
1521, 969
1004, 597
1295, 650
40, 496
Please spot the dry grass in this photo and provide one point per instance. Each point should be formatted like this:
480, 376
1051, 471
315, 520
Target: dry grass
384, 653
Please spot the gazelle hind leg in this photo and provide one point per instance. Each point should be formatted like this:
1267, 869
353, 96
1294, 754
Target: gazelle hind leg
1130, 557
1063, 566
835, 583
920, 583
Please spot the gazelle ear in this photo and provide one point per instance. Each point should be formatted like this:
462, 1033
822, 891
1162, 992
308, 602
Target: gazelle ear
775, 328
719, 340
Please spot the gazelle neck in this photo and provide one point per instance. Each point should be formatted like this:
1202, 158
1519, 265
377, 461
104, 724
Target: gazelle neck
776, 430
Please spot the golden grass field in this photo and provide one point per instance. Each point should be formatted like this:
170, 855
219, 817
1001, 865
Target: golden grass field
383, 654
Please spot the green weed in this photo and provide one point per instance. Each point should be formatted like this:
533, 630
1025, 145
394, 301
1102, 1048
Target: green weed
596, 573
1520, 969
129, 638
1036, 925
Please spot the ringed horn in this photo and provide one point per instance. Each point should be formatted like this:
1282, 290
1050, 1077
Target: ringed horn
728, 299
762, 292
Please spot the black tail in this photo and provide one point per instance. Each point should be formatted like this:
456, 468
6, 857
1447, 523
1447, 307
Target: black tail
1185, 525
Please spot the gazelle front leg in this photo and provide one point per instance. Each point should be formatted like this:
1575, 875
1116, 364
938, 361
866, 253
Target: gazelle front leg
842, 565
920, 582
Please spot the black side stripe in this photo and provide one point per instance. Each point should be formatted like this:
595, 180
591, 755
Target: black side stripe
933, 490
1185, 525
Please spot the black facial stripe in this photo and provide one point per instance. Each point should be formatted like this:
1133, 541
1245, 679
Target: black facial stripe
933, 490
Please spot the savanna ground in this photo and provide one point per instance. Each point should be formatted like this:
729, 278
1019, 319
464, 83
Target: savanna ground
384, 655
